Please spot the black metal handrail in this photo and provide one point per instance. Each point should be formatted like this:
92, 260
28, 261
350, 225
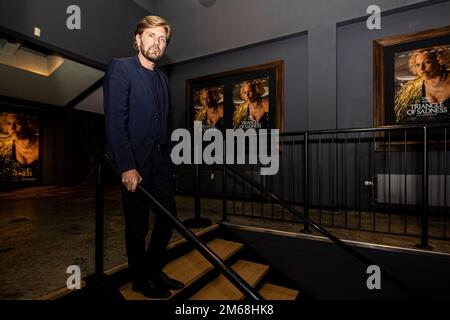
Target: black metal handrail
374, 129
323, 231
215, 260
424, 235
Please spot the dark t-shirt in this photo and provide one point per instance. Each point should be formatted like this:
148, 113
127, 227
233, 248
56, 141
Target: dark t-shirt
158, 99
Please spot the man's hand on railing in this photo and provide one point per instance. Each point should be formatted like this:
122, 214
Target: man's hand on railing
131, 179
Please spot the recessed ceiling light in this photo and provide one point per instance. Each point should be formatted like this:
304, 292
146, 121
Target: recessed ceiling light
18, 56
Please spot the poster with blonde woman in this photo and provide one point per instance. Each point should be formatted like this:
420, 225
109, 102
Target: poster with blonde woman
422, 85
19, 147
208, 105
251, 101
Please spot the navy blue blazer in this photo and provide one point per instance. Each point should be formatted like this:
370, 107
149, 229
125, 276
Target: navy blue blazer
130, 120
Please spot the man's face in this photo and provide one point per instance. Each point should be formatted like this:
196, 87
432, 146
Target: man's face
152, 43
427, 65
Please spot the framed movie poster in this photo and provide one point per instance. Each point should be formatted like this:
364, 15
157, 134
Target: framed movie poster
246, 98
19, 148
251, 105
412, 84
208, 107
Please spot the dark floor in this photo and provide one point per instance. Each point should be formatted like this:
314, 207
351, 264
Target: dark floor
44, 230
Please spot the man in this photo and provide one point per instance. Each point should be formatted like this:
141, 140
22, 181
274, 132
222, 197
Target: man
137, 115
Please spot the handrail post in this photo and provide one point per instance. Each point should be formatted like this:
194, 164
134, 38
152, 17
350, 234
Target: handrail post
424, 221
326, 233
212, 257
99, 221
224, 193
306, 183
224, 184
197, 190
197, 222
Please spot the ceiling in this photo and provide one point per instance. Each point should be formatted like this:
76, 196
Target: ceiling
41, 76
92, 103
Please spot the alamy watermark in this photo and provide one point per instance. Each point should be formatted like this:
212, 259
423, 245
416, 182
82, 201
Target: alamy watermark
74, 280
374, 280
263, 147
74, 20
374, 20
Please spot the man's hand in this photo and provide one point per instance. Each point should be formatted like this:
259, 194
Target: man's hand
131, 179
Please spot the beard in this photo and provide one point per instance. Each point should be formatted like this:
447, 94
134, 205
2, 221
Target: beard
152, 54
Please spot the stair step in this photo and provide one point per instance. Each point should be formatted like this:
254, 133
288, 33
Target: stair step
274, 292
189, 267
222, 289
171, 245
198, 234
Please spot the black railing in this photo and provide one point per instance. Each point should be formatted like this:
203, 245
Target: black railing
99, 218
391, 179
216, 261
387, 274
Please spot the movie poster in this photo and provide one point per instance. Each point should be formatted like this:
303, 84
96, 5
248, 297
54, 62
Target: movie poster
422, 85
19, 147
246, 98
208, 107
251, 104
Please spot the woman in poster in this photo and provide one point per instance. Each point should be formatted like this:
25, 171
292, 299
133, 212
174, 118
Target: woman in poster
427, 97
19, 149
254, 111
211, 110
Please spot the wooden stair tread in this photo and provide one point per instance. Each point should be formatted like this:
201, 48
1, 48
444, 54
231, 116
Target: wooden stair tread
273, 292
222, 289
189, 267
171, 245
198, 234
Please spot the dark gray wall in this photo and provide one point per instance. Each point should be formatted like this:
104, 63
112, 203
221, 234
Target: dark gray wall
326, 271
106, 25
355, 59
233, 24
321, 77
229, 24
294, 53
355, 89
328, 84
328, 72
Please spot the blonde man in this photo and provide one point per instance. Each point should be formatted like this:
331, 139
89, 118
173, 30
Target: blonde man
137, 115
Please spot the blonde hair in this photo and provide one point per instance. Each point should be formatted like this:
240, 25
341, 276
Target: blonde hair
254, 85
212, 93
151, 22
440, 54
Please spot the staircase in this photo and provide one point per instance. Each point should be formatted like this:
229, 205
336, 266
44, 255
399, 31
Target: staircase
203, 282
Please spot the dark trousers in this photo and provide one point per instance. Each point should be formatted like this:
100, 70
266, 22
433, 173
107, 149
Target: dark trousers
157, 179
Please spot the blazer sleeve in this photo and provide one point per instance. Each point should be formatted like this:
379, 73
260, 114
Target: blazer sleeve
116, 90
